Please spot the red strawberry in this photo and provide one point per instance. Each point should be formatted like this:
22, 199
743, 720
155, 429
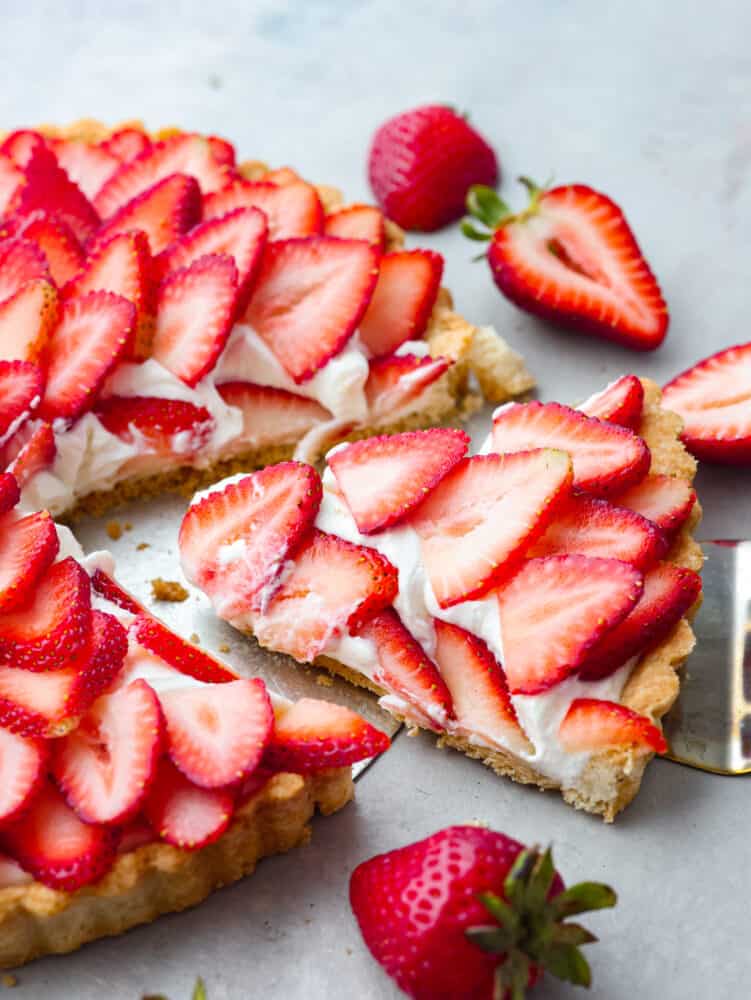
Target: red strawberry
591, 724
92, 336
479, 521
292, 210
9, 492
669, 592
184, 814
20, 261
51, 843
422, 162
333, 585
606, 458
309, 297
11, 179
21, 145
29, 451
405, 467
358, 222
104, 767
714, 400
49, 189
313, 735
216, 733
27, 320
27, 548
87, 165
471, 913
665, 500
234, 542
555, 610
482, 704
58, 244
23, 768
621, 402
408, 283
405, 668
165, 426
222, 150
127, 143
571, 258
272, 415
176, 652
397, 380
163, 212
21, 386
195, 311
111, 591
592, 527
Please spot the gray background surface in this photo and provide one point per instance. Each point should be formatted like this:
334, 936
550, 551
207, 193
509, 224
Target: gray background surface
647, 101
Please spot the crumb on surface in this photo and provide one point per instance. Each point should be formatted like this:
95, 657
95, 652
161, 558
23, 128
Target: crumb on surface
168, 590
325, 681
195, 638
114, 530
9, 980
141, 546
224, 648
128, 526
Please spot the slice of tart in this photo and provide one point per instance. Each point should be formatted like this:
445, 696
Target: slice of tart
530, 603
137, 773
177, 316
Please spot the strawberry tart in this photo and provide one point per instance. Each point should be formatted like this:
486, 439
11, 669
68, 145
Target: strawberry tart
529, 603
169, 316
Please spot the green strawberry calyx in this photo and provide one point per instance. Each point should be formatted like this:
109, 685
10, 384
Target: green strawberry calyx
489, 212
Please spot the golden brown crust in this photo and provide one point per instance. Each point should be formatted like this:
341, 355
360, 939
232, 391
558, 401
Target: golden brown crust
158, 878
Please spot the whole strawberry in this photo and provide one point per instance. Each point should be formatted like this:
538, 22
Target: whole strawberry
570, 257
422, 163
469, 914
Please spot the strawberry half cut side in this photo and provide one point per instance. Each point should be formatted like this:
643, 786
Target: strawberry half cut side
57, 242
9, 492
21, 387
183, 814
165, 426
272, 415
108, 588
28, 546
397, 381
667, 501
150, 633
358, 222
23, 768
49, 189
621, 402
403, 299
29, 451
27, 320
592, 724
292, 210
20, 261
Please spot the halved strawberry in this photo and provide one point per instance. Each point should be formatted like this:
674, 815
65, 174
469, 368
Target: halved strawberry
216, 733
665, 500
292, 210
222, 150
405, 668
234, 542
593, 724
53, 627
479, 521
555, 610
49, 189
397, 380
21, 144
104, 767
23, 768
21, 385
51, 843
482, 703
126, 143
121, 265
195, 312
20, 261
58, 244
150, 633
358, 222
93, 334
309, 297
592, 527
272, 415
621, 402
313, 735
404, 296
164, 426
183, 814
9, 492
669, 592
180, 154
332, 585
30, 450
403, 468
606, 458
28, 547
108, 588
89, 166
163, 212
26, 321
11, 179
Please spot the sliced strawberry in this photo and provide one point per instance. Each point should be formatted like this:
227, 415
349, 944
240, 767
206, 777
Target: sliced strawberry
23, 768
555, 610
405, 668
30, 450
292, 210
20, 261
163, 212
88, 166
127, 143
195, 312
397, 380
479, 521
358, 222
121, 265
408, 283
26, 321
49, 189
482, 703
669, 592
621, 402
222, 150
22, 144
11, 179
234, 542
183, 814
333, 585
606, 458
27, 548
164, 426
21, 385
272, 415
9, 492
58, 244
405, 467
313, 735
111, 591
592, 724
665, 500
176, 652
592, 527
216, 733
51, 629
92, 336
309, 297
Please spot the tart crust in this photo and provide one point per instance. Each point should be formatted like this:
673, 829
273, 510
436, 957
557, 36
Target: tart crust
158, 878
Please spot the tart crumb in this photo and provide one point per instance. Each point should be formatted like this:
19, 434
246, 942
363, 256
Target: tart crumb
128, 526
225, 648
114, 530
168, 590
325, 681
9, 980
141, 546
195, 638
